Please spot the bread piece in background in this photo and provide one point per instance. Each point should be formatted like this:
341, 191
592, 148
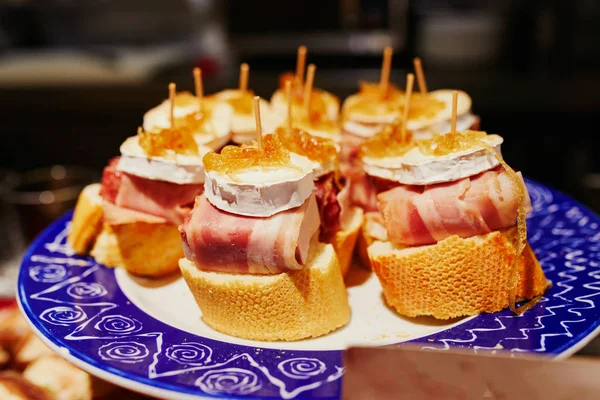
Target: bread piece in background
13, 328
61, 379
87, 219
146, 249
29, 349
4, 357
14, 387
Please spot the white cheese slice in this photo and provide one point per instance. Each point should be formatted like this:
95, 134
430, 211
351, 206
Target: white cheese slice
261, 192
425, 126
463, 106
381, 113
416, 168
220, 121
177, 168
243, 125
362, 130
463, 123
159, 116
333, 133
279, 104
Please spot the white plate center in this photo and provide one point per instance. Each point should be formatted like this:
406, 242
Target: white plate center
372, 323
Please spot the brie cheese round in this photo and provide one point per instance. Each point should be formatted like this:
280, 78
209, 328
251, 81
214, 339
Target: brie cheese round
463, 122
159, 116
463, 106
261, 192
416, 168
214, 133
243, 125
179, 168
279, 104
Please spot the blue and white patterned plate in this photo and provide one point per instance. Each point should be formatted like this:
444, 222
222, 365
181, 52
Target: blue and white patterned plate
148, 335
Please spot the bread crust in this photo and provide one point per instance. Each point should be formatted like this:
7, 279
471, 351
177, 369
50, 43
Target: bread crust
87, 219
344, 240
455, 277
289, 306
142, 248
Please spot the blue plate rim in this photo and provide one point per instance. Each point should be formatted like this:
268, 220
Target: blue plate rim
115, 376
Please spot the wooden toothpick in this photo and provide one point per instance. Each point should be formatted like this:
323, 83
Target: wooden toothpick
172, 89
386, 67
410, 79
310, 78
288, 93
244, 68
300, 63
198, 85
258, 123
420, 75
454, 106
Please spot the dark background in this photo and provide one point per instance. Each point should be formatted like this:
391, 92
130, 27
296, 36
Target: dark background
77, 76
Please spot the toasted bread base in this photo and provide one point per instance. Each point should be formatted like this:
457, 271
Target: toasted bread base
455, 277
87, 219
289, 306
142, 248
344, 240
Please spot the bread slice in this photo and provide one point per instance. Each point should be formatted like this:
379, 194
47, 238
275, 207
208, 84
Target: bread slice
455, 277
289, 306
87, 219
344, 240
142, 248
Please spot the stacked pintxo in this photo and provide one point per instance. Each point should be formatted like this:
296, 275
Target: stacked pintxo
253, 260
316, 111
130, 219
451, 237
263, 232
377, 105
241, 99
340, 221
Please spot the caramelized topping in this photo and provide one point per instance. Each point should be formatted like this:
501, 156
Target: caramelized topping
441, 145
238, 158
165, 142
371, 103
185, 99
318, 106
424, 106
198, 123
242, 102
314, 148
388, 143
373, 90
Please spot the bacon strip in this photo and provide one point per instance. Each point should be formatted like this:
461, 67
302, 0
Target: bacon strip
168, 201
326, 192
420, 215
219, 241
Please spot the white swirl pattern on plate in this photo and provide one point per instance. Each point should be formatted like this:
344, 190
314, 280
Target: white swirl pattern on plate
118, 325
126, 352
189, 353
229, 381
302, 367
63, 315
50, 273
86, 290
